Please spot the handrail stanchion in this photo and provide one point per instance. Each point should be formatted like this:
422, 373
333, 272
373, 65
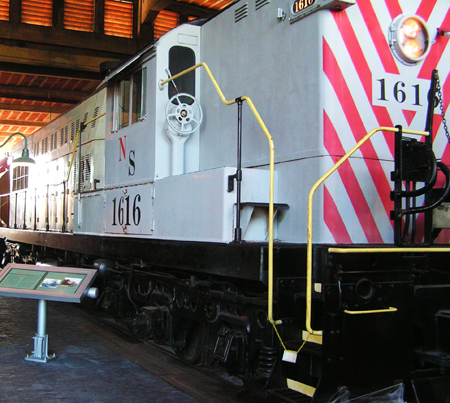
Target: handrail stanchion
35, 209
24, 226
15, 213
63, 228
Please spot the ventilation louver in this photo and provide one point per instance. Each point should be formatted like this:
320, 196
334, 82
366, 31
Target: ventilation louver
85, 171
72, 131
64, 133
96, 110
261, 3
240, 13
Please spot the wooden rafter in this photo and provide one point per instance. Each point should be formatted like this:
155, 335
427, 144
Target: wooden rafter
49, 71
42, 94
33, 108
151, 8
23, 123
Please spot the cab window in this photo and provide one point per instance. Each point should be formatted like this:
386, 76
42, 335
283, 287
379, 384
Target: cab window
181, 58
129, 102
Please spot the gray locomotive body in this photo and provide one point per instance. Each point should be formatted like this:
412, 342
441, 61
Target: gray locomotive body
199, 180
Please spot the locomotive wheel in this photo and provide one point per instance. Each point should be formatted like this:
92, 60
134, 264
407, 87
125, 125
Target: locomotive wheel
189, 333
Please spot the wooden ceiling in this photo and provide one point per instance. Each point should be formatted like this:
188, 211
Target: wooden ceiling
51, 50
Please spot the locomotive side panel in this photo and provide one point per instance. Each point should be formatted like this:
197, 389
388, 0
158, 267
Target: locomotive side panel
130, 148
277, 65
342, 80
44, 198
138, 149
176, 50
207, 211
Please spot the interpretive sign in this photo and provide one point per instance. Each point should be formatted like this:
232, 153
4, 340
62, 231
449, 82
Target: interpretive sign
45, 283
65, 284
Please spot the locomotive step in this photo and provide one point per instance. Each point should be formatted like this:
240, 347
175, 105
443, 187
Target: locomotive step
308, 348
312, 349
435, 357
265, 205
286, 395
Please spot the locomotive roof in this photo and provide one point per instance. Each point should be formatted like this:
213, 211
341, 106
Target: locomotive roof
117, 72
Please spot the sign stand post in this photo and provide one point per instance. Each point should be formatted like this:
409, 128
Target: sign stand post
40, 352
46, 283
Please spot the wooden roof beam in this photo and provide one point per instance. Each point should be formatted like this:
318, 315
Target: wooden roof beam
186, 9
49, 71
89, 43
33, 108
40, 94
7, 134
151, 8
14, 140
22, 123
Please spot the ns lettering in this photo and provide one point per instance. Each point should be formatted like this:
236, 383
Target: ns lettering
123, 155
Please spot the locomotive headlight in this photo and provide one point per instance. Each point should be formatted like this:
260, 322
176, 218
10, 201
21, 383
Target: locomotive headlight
412, 48
411, 28
409, 39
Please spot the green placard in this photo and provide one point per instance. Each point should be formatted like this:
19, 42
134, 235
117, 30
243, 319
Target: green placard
23, 279
66, 283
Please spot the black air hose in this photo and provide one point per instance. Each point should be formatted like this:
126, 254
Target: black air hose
429, 185
444, 169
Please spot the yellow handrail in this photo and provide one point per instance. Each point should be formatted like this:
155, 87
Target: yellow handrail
310, 216
390, 309
271, 167
75, 141
389, 250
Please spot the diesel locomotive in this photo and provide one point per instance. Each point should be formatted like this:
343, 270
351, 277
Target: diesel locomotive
265, 191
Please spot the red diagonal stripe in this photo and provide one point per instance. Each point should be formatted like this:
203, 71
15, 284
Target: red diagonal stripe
444, 237
377, 34
333, 219
355, 52
334, 75
425, 9
364, 72
394, 8
351, 184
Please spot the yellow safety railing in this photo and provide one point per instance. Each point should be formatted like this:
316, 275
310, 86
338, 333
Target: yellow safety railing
310, 220
389, 250
271, 167
390, 309
75, 142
